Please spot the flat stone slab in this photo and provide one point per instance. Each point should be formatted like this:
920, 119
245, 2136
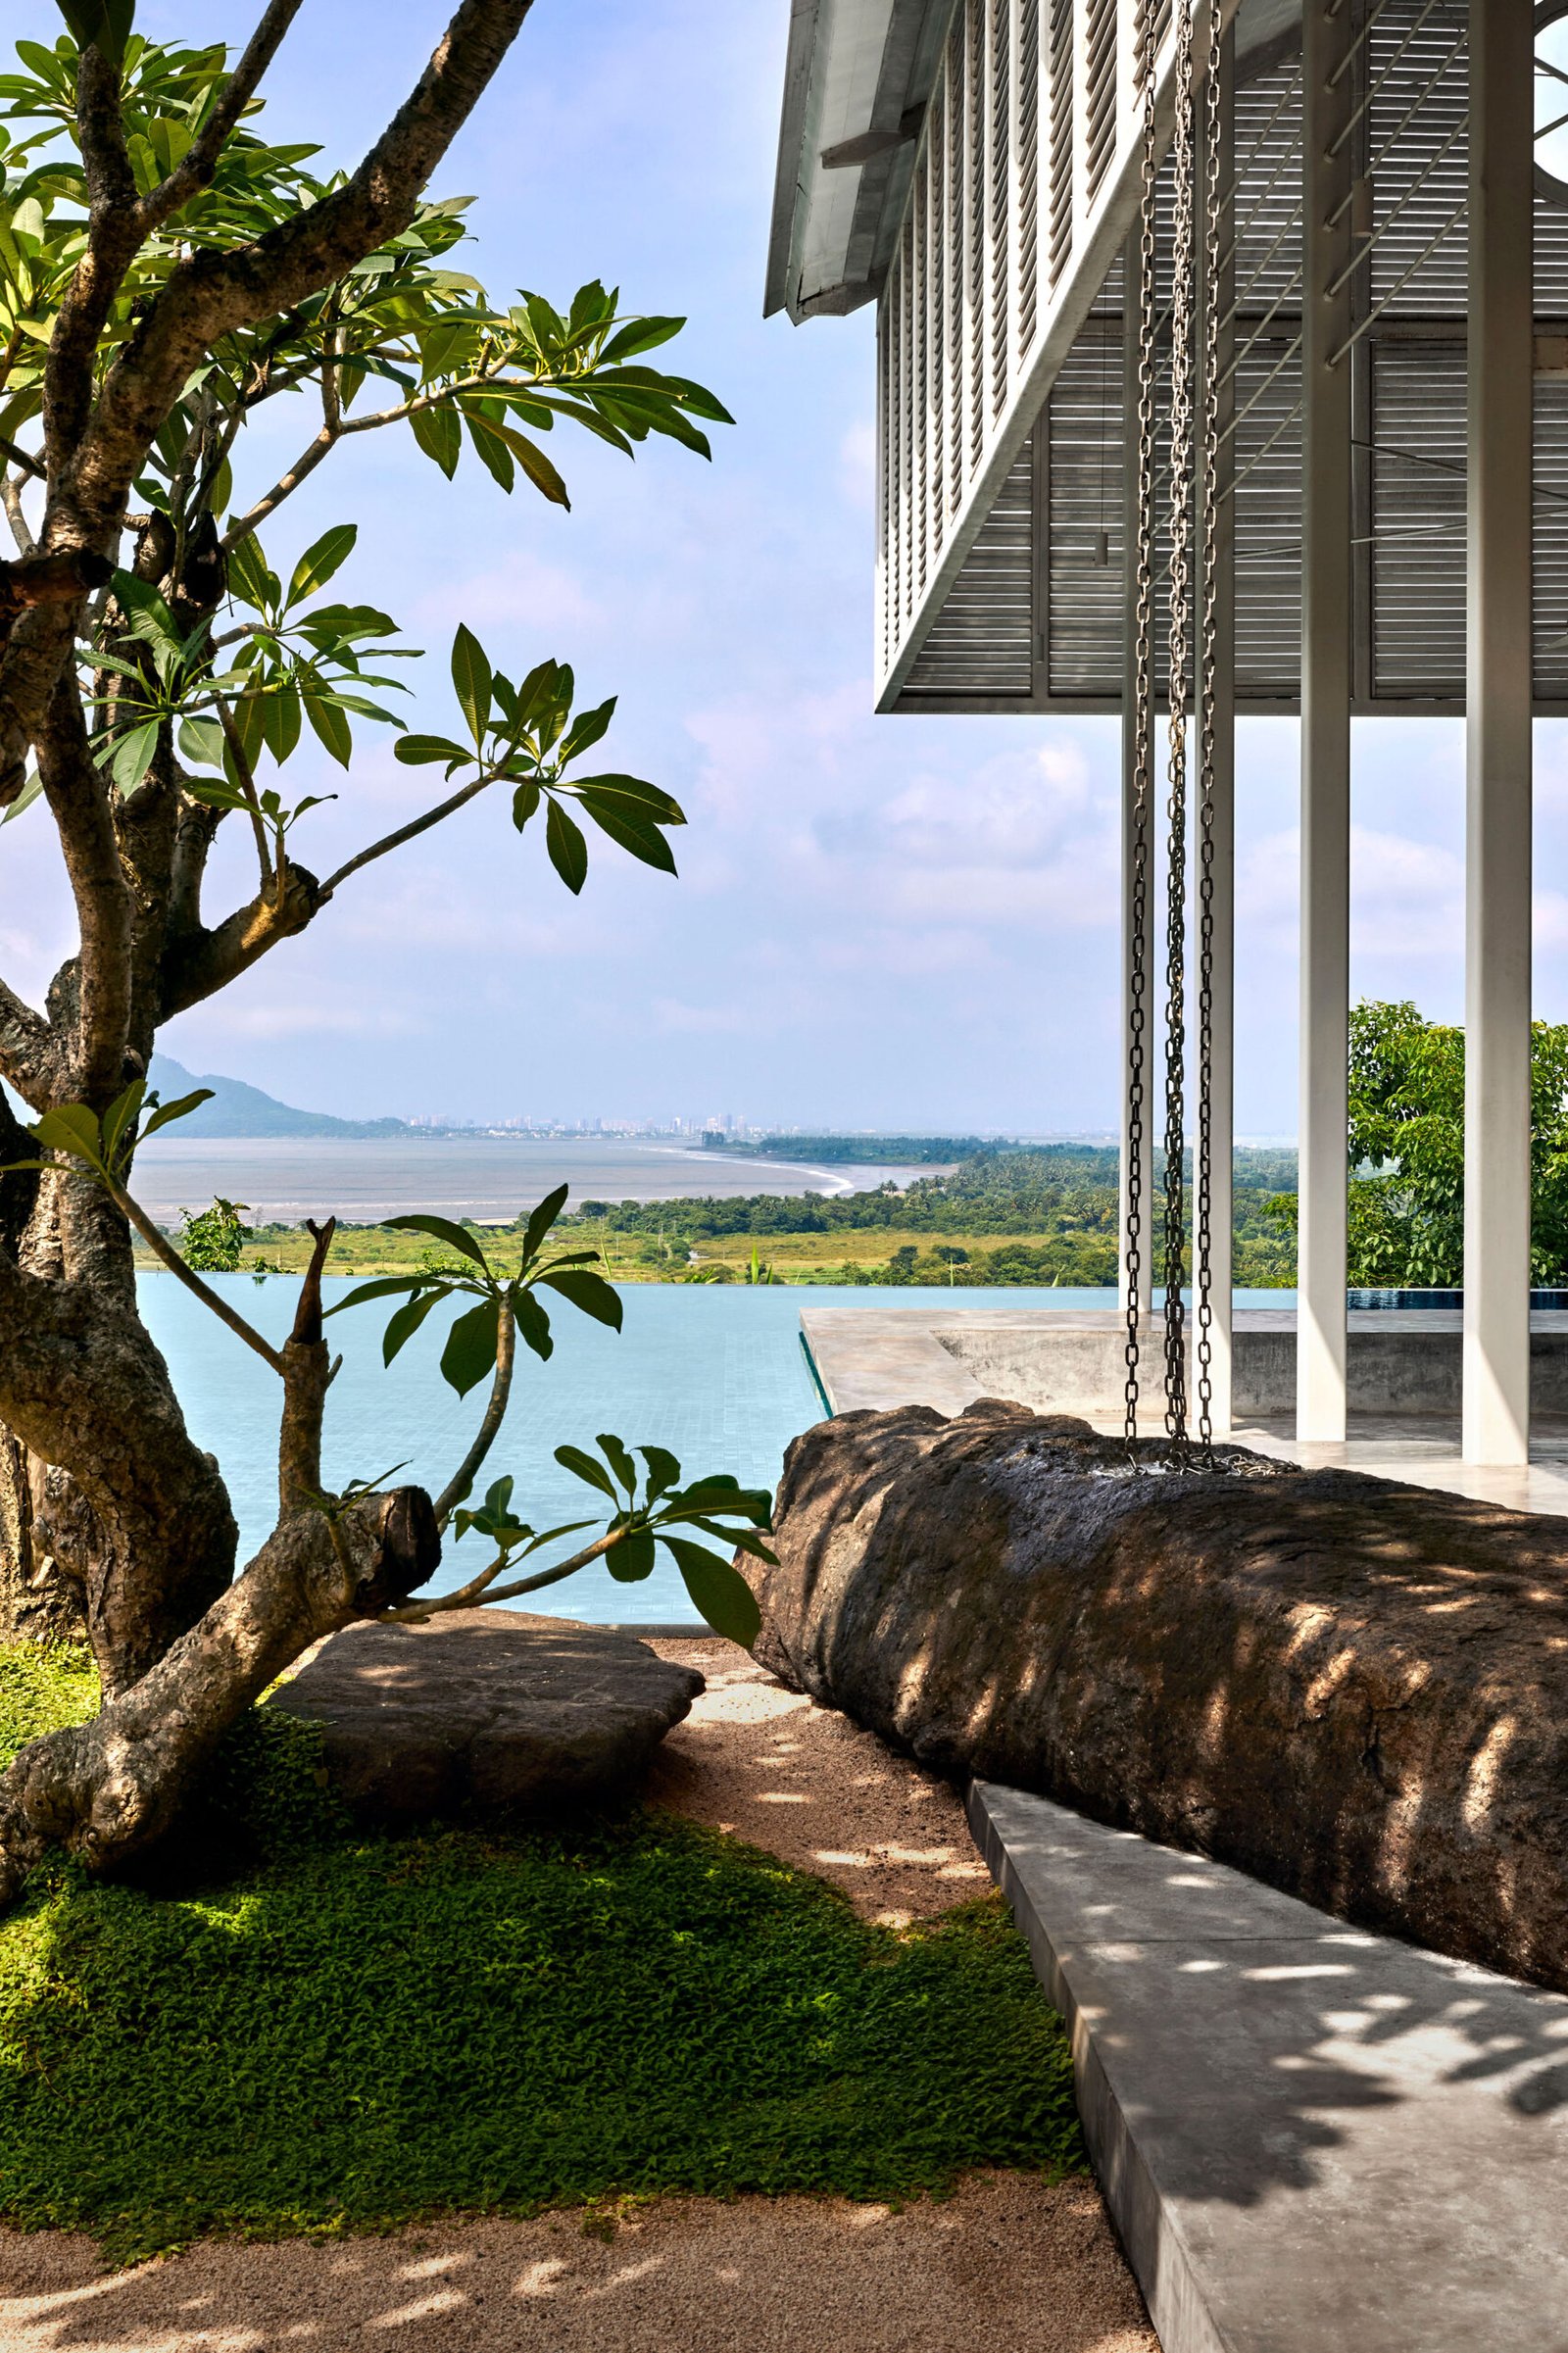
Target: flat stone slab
487, 1710
1309, 2137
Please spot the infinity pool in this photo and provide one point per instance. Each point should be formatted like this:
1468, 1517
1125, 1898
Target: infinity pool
715, 1372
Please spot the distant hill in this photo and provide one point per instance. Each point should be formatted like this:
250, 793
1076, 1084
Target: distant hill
870, 1150
237, 1109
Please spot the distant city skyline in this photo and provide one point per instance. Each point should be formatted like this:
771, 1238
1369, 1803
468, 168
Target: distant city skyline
900, 924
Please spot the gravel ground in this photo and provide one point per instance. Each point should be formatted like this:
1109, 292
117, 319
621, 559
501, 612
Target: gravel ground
1006, 2260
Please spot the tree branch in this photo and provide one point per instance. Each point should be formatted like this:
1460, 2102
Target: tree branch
406, 833
195, 172
483, 1586
165, 1252
198, 964
305, 464
247, 785
212, 293
306, 1378
79, 801
495, 1413
30, 1060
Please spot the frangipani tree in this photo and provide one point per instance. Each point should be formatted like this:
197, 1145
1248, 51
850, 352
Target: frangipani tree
166, 273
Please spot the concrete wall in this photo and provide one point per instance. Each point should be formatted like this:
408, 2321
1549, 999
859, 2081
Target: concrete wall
1081, 1370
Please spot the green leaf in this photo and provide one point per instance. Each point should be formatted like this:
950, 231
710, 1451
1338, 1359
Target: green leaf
440, 1229
439, 433
634, 795
30, 792
201, 741
541, 1219
322, 560
642, 841
166, 1112
471, 677
524, 804
280, 722
620, 1461
72, 1129
133, 756
533, 1324
383, 1287
104, 25
587, 728
568, 852
583, 1466
588, 1291
537, 466
632, 1559
421, 750
248, 576
121, 1114
493, 451
402, 1326
639, 335
469, 1354
663, 1470
720, 1593
331, 725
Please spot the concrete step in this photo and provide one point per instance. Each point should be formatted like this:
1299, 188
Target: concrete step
1311, 2138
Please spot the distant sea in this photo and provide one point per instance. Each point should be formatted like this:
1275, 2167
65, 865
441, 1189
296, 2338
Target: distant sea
283, 1179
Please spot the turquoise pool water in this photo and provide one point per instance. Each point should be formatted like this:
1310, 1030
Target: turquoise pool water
715, 1372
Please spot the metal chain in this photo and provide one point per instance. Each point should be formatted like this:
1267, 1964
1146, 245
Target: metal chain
1184, 256
1144, 716
1204, 1172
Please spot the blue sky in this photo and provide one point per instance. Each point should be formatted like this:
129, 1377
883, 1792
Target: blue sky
879, 922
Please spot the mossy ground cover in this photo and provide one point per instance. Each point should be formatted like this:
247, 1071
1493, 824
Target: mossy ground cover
331, 2031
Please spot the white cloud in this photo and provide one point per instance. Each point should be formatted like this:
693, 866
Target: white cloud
314, 1020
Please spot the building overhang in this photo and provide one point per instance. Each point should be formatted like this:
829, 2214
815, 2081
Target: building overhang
857, 81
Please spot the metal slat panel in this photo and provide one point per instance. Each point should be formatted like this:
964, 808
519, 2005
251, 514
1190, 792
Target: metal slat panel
1551, 539
1062, 135
1100, 81
1418, 522
1420, 159
1085, 600
1268, 524
1028, 170
1001, 213
982, 642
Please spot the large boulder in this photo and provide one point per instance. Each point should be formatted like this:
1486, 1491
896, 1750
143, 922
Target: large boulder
488, 1712
1353, 1689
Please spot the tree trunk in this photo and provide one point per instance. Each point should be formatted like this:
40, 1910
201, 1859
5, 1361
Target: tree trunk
38, 1602
108, 1789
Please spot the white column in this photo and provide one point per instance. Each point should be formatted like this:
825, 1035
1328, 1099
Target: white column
1325, 973
1132, 273
1221, 1125
1497, 765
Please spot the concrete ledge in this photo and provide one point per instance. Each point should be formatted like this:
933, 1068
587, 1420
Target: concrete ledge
1073, 1361
1309, 2139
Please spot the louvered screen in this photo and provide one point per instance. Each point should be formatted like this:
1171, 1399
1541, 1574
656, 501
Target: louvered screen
976, 222
1001, 209
1418, 155
1551, 539
982, 642
1101, 89
1028, 171
1418, 522
958, 183
920, 373
1061, 128
1268, 524
936, 168
1085, 596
